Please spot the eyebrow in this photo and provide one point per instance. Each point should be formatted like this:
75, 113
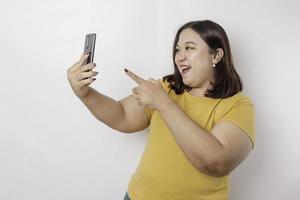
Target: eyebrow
189, 42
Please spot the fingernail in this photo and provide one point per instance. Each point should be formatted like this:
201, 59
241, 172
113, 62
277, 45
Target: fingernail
126, 70
94, 64
94, 78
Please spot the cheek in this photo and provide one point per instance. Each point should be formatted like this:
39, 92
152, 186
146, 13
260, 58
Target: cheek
176, 63
200, 61
176, 60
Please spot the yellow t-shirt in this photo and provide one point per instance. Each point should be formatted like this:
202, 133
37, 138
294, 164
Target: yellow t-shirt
164, 173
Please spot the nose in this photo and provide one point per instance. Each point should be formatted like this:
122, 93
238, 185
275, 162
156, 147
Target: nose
180, 56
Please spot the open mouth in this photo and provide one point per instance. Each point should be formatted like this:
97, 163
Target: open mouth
184, 69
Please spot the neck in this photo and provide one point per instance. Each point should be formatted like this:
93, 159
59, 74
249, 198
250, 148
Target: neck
200, 91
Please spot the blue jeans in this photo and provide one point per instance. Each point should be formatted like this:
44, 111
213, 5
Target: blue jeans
126, 197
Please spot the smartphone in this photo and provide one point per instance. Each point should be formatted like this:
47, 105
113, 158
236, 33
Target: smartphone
89, 47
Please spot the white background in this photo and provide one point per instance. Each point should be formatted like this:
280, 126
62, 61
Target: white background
51, 147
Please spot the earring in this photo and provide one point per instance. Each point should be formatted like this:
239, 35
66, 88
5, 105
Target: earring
214, 65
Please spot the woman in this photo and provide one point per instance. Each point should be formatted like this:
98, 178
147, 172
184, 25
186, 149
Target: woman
201, 126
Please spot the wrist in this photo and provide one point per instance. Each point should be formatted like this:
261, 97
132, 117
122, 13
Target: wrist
165, 105
84, 94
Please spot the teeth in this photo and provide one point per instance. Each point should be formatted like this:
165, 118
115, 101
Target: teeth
183, 68
186, 67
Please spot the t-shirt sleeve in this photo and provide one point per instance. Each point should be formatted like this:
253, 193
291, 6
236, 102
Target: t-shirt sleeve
242, 115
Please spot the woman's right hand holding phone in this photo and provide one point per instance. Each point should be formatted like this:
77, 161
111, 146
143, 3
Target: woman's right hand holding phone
80, 76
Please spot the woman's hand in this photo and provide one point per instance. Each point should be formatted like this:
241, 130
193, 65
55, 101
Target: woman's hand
149, 93
80, 76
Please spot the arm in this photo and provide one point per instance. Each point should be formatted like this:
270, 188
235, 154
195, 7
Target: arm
124, 115
215, 154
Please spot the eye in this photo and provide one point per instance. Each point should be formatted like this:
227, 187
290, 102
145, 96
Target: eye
176, 50
189, 48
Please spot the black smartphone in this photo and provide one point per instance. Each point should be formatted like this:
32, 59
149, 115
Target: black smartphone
89, 47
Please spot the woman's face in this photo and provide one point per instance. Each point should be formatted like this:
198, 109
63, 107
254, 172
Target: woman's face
193, 60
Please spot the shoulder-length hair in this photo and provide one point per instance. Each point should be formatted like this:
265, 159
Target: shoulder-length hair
227, 81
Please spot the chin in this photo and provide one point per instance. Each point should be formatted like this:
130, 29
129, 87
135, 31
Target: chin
187, 82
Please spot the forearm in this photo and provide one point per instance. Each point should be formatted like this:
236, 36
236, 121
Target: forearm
201, 148
105, 109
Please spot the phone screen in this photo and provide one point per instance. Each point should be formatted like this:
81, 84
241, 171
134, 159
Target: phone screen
89, 47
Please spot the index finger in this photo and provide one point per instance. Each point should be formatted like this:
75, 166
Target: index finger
134, 77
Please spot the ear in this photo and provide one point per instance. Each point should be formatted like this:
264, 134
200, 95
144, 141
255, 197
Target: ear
218, 55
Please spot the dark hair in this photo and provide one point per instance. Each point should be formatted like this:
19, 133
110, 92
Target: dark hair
227, 81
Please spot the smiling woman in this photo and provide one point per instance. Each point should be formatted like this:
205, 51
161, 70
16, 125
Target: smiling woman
201, 127
205, 45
